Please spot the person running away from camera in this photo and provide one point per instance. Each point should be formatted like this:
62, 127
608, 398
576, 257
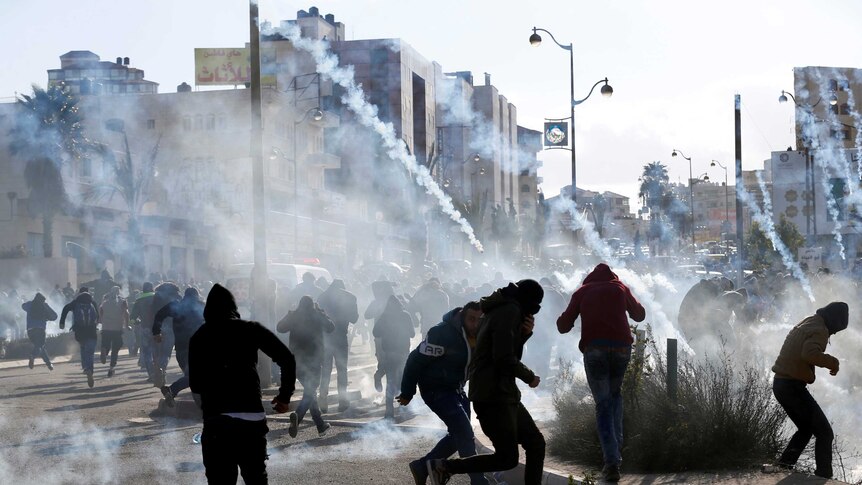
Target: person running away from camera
114, 313
223, 376
39, 313
494, 392
307, 325
340, 306
394, 328
602, 302
187, 316
85, 321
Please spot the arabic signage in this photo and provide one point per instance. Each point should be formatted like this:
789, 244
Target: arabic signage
556, 134
232, 66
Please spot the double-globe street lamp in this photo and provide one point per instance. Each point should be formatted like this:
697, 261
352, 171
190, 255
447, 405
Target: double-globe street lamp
715, 163
607, 91
690, 191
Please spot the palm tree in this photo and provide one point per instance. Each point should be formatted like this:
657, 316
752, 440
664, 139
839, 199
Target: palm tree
654, 184
47, 132
132, 184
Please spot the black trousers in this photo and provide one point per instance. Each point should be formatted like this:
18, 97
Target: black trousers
806, 414
230, 443
507, 425
112, 340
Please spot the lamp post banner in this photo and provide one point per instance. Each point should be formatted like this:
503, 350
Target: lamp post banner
556, 134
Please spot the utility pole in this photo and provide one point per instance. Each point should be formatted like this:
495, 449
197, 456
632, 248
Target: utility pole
740, 251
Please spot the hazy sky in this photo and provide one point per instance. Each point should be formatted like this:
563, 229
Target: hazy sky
675, 65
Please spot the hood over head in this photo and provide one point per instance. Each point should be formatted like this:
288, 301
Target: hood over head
382, 289
39, 298
527, 293
147, 287
191, 293
836, 315
337, 285
305, 304
393, 304
84, 297
600, 274
307, 277
220, 305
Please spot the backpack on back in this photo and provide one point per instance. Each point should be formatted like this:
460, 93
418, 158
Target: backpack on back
85, 317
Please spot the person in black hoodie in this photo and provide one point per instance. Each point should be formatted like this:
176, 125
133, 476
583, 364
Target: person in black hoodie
38, 315
394, 328
85, 320
223, 375
493, 391
340, 306
307, 325
187, 316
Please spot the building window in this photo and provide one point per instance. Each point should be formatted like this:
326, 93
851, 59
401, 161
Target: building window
840, 135
187, 123
210, 122
151, 124
199, 122
85, 169
35, 244
525, 188
222, 122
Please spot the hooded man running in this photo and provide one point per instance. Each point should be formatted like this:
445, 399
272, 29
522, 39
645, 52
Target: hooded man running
223, 372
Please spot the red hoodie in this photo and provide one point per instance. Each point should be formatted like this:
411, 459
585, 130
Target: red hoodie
602, 302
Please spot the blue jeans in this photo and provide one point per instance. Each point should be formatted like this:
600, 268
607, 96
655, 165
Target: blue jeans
453, 408
88, 350
182, 382
605, 368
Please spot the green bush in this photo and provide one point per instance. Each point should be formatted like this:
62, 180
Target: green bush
724, 416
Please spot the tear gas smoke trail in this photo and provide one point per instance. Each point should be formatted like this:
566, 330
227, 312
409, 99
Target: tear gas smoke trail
354, 98
857, 143
765, 221
832, 207
662, 325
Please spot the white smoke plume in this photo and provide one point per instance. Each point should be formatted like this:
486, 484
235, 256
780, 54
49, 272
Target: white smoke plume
354, 98
766, 224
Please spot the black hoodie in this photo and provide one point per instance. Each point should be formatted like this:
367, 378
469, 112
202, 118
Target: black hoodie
223, 359
82, 307
836, 315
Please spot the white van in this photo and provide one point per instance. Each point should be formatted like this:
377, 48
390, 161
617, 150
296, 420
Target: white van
238, 277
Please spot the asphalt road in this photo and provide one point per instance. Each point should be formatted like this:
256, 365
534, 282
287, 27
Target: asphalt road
55, 430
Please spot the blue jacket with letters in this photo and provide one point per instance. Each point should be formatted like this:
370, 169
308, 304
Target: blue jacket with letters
440, 361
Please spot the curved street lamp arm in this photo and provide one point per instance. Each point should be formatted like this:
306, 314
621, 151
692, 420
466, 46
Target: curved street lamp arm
682, 154
577, 102
719, 164
305, 116
568, 47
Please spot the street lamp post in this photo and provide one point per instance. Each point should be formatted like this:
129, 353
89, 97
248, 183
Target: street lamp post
726, 199
690, 191
317, 115
607, 91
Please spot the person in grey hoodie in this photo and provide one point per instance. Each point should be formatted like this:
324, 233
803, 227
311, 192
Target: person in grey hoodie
38, 314
804, 349
114, 313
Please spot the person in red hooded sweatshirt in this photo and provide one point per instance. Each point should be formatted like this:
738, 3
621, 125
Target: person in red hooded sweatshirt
602, 302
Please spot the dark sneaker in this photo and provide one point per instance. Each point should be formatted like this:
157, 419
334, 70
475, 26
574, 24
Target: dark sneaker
50, 365
419, 472
111, 372
294, 425
32, 361
378, 382
103, 357
612, 473
343, 406
323, 429
169, 396
437, 473
90, 381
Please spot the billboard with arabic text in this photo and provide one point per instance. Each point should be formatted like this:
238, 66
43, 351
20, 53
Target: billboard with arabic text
231, 66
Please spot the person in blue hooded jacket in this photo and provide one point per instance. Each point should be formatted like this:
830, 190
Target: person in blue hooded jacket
439, 366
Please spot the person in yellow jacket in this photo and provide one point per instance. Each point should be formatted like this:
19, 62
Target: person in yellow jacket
803, 350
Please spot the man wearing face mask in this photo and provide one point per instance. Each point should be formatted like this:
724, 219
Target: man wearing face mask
494, 392
439, 366
802, 351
